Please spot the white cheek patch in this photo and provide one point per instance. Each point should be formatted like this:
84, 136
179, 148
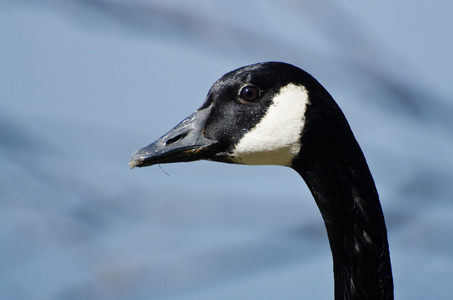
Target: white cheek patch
275, 140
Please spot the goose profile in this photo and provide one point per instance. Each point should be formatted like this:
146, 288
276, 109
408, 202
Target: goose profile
274, 113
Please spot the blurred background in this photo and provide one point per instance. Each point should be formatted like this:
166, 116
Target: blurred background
84, 83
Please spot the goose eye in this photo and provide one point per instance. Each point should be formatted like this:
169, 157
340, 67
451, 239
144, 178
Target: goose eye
249, 93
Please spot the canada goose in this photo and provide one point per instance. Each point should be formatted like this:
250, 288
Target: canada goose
274, 113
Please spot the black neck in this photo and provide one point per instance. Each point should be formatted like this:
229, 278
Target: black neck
345, 193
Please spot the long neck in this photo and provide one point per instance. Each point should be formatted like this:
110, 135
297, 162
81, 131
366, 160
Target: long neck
345, 193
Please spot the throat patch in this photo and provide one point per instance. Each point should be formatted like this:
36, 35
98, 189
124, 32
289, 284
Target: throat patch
275, 140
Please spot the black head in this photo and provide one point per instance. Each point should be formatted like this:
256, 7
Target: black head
252, 115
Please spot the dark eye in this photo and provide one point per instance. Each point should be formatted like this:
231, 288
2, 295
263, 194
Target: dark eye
249, 93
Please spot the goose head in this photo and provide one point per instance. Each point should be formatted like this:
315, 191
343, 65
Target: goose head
253, 115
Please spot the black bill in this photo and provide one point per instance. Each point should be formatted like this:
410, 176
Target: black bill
184, 143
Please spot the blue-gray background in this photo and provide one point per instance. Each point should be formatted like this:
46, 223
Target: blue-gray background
85, 83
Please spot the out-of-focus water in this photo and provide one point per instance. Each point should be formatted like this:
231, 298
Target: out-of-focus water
85, 83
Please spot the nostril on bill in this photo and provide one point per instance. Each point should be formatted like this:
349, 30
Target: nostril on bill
175, 139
